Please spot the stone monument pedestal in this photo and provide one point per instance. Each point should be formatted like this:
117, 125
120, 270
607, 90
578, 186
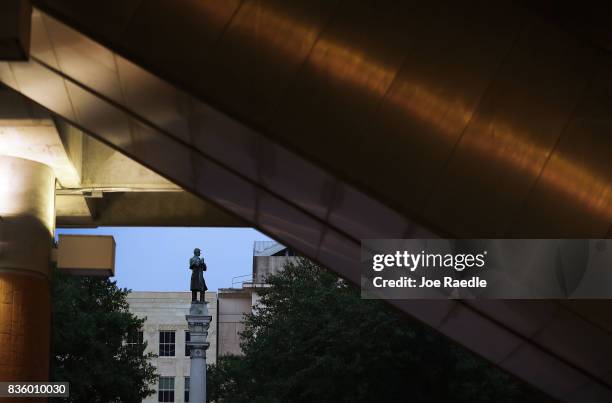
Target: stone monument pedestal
198, 322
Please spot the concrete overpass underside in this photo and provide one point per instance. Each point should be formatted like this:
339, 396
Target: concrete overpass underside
323, 123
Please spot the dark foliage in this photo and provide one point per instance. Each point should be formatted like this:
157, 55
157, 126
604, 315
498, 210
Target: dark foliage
313, 339
91, 322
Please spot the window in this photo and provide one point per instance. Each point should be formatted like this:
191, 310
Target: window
187, 338
186, 389
165, 391
166, 344
134, 339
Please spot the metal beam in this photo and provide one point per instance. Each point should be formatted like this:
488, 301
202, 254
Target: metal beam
316, 126
15, 29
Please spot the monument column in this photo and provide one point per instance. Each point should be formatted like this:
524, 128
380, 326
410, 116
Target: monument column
27, 223
198, 322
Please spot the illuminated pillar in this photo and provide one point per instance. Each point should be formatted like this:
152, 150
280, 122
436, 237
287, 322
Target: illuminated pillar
198, 322
27, 210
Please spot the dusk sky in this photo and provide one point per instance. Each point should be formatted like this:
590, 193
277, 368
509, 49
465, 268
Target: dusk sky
157, 259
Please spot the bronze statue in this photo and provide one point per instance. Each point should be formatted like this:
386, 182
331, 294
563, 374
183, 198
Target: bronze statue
197, 267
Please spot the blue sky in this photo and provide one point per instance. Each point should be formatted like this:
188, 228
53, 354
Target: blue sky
157, 259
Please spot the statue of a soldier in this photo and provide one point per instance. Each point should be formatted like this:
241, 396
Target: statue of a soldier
197, 267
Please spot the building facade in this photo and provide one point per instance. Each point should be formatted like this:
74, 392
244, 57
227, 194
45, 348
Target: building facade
165, 328
269, 257
165, 331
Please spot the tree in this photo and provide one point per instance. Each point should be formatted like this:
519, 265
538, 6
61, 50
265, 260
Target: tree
91, 323
313, 338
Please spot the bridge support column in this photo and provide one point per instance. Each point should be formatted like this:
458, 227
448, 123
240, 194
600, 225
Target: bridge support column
198, 322
27, 216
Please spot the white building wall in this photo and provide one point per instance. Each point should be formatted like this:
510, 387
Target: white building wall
166, 311
264, 266
233, 304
